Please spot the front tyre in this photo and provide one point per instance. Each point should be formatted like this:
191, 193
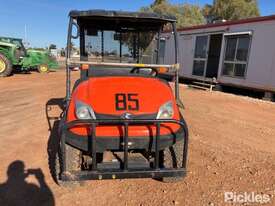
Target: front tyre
5, 66
172, 157
72, 161
43, 68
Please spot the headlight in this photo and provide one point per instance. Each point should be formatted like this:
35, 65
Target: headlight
84, 111
166, 111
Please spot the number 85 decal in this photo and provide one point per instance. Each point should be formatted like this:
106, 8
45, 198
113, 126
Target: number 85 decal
127, 102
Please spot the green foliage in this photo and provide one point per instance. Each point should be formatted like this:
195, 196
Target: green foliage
186, 14
231, 9
52, 46
158, 2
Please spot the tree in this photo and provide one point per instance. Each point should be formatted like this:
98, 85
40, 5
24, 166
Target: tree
158, 2
186, 14
231, 9
52, 46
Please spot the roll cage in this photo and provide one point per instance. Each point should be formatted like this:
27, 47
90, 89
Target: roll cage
136, 21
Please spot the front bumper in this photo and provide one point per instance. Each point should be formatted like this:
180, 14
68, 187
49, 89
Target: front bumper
117, 143
94, 145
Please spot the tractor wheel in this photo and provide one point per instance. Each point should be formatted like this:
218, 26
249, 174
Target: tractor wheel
73, 163
173, 157
5, 66
43, 68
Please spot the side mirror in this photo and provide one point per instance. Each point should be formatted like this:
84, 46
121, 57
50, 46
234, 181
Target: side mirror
75, 30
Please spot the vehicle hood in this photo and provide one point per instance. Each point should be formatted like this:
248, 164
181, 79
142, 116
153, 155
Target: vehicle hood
118, 95
7, 44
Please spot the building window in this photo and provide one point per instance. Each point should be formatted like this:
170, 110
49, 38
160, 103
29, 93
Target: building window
236, 55
201, 47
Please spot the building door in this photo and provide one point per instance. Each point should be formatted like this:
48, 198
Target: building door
200, 55
207, 55
214, 53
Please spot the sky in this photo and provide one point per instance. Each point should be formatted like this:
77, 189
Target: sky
46, 21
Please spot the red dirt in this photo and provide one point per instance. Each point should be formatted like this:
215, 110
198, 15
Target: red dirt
232, 148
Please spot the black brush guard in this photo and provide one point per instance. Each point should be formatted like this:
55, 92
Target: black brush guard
153, 172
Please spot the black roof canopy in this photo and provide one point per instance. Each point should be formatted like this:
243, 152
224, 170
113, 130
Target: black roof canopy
130, 16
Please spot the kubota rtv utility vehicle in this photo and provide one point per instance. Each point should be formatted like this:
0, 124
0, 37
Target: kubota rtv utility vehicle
121, 120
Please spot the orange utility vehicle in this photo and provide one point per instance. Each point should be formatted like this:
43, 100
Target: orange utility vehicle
121, 119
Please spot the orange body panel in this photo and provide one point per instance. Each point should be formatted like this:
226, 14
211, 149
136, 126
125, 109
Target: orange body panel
99, 93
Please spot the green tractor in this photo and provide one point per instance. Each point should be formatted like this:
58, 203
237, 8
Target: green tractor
14, 55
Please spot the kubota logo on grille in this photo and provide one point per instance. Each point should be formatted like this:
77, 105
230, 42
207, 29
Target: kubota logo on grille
126, 115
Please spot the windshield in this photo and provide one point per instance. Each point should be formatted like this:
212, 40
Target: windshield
135, 46
125, 46
18, 43
121, 46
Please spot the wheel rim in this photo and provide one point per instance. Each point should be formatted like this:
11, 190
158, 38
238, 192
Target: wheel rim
2, 66
43, 68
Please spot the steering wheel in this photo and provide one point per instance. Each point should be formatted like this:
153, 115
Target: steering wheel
136, 70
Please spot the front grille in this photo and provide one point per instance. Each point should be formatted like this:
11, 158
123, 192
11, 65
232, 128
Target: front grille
132, 116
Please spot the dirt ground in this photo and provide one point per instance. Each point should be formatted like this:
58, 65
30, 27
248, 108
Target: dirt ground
232, 148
